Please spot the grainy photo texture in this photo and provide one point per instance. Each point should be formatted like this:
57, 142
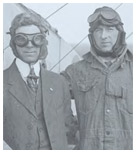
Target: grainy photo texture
63, 91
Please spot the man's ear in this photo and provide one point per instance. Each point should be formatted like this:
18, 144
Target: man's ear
90, 38
44, 51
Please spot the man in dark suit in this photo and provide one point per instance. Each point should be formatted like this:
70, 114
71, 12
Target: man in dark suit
36, 101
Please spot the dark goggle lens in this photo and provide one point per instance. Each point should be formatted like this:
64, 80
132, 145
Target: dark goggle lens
20, 40
23, 39
38, 39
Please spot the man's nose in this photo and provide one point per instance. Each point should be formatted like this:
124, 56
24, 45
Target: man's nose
29, 44
104, 34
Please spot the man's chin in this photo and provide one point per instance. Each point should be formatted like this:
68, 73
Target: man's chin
30, 61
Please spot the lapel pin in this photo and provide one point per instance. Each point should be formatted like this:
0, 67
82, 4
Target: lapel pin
51, 89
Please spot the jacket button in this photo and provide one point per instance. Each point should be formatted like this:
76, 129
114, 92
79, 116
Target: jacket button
28, 145
30, 127
40, 130
51, 89
42, 143
38, 101
107, 132
52, 141
108, 110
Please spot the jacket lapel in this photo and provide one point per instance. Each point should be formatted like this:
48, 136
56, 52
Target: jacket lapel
49, 95
19, 90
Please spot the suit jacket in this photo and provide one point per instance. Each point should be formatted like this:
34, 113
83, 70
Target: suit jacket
19, 114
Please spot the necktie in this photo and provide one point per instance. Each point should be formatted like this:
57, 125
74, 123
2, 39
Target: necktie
32, 80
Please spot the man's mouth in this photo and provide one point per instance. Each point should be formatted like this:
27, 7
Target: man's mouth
30, 52
105, 43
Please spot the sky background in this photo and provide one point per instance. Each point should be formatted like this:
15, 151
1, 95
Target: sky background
71, 20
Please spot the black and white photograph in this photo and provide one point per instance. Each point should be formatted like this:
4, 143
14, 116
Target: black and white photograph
68, 76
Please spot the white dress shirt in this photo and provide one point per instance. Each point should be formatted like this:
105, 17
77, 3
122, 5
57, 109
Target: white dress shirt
24, 68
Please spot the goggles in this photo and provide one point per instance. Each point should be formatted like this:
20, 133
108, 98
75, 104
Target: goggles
106, 13
22, 39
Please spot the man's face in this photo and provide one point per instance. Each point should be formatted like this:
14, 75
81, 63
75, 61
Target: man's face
105, 37
29, 53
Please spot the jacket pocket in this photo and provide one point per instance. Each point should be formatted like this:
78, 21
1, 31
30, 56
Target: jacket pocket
87, 96
120, 94
125, 106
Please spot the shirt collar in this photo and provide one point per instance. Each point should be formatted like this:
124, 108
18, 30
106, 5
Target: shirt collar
24, 68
